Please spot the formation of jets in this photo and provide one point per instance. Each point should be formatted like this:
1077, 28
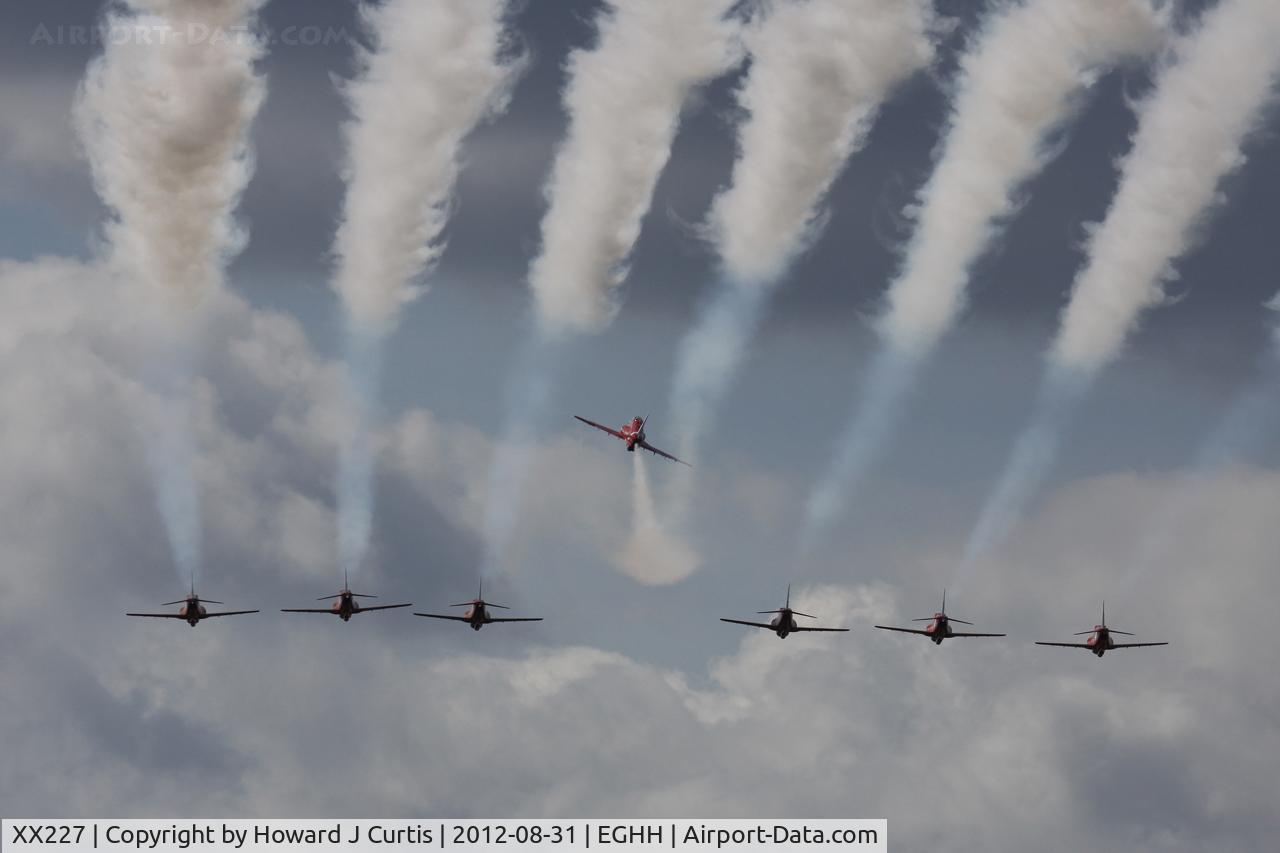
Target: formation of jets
938, 629
345, 603
783, 622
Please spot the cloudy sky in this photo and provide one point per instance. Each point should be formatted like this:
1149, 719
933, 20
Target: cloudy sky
632, 699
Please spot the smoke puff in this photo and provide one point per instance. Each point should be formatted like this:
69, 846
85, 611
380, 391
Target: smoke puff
436, 70
164, 116
1189, 134
652, 555
623, 100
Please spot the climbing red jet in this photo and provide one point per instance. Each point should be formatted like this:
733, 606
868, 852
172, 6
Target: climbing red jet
633, 434
1100, 641
478, 614
939, 627
345, 605
192, 610
784, 623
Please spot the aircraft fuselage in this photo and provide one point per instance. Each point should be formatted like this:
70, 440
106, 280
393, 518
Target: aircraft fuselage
345, 606
477, 616
939, 629
192, 611
1099, 641
784, 623
633, 433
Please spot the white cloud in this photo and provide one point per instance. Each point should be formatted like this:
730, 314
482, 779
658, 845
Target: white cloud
35, 125
997, 744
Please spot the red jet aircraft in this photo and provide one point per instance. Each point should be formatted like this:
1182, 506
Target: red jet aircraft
939, 627
633, 434
478, 614
192, 610
784, 623
1100, 641
345, 605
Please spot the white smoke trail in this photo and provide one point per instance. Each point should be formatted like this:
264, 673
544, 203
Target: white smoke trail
1019, 81
820, 70
1190, 129
164, 116
652, 556
434, 72
1188, 138
623, 100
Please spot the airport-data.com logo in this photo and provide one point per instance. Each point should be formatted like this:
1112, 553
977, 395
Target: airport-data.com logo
160, 35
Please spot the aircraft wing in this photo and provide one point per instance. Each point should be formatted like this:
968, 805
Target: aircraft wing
383, 607
1066, 645
1135, 645
306, 610
904, 630
802, 628
664, 454
443, 616
612, 432
961, 634
226, 613
764, 625
515, 619
159, 615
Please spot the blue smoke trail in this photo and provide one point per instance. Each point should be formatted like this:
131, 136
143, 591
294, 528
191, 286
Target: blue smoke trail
869, 426
170, 450
356, 460
1253, 414
709, 356
171, 459
527, 395
1030, 462
706, 362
